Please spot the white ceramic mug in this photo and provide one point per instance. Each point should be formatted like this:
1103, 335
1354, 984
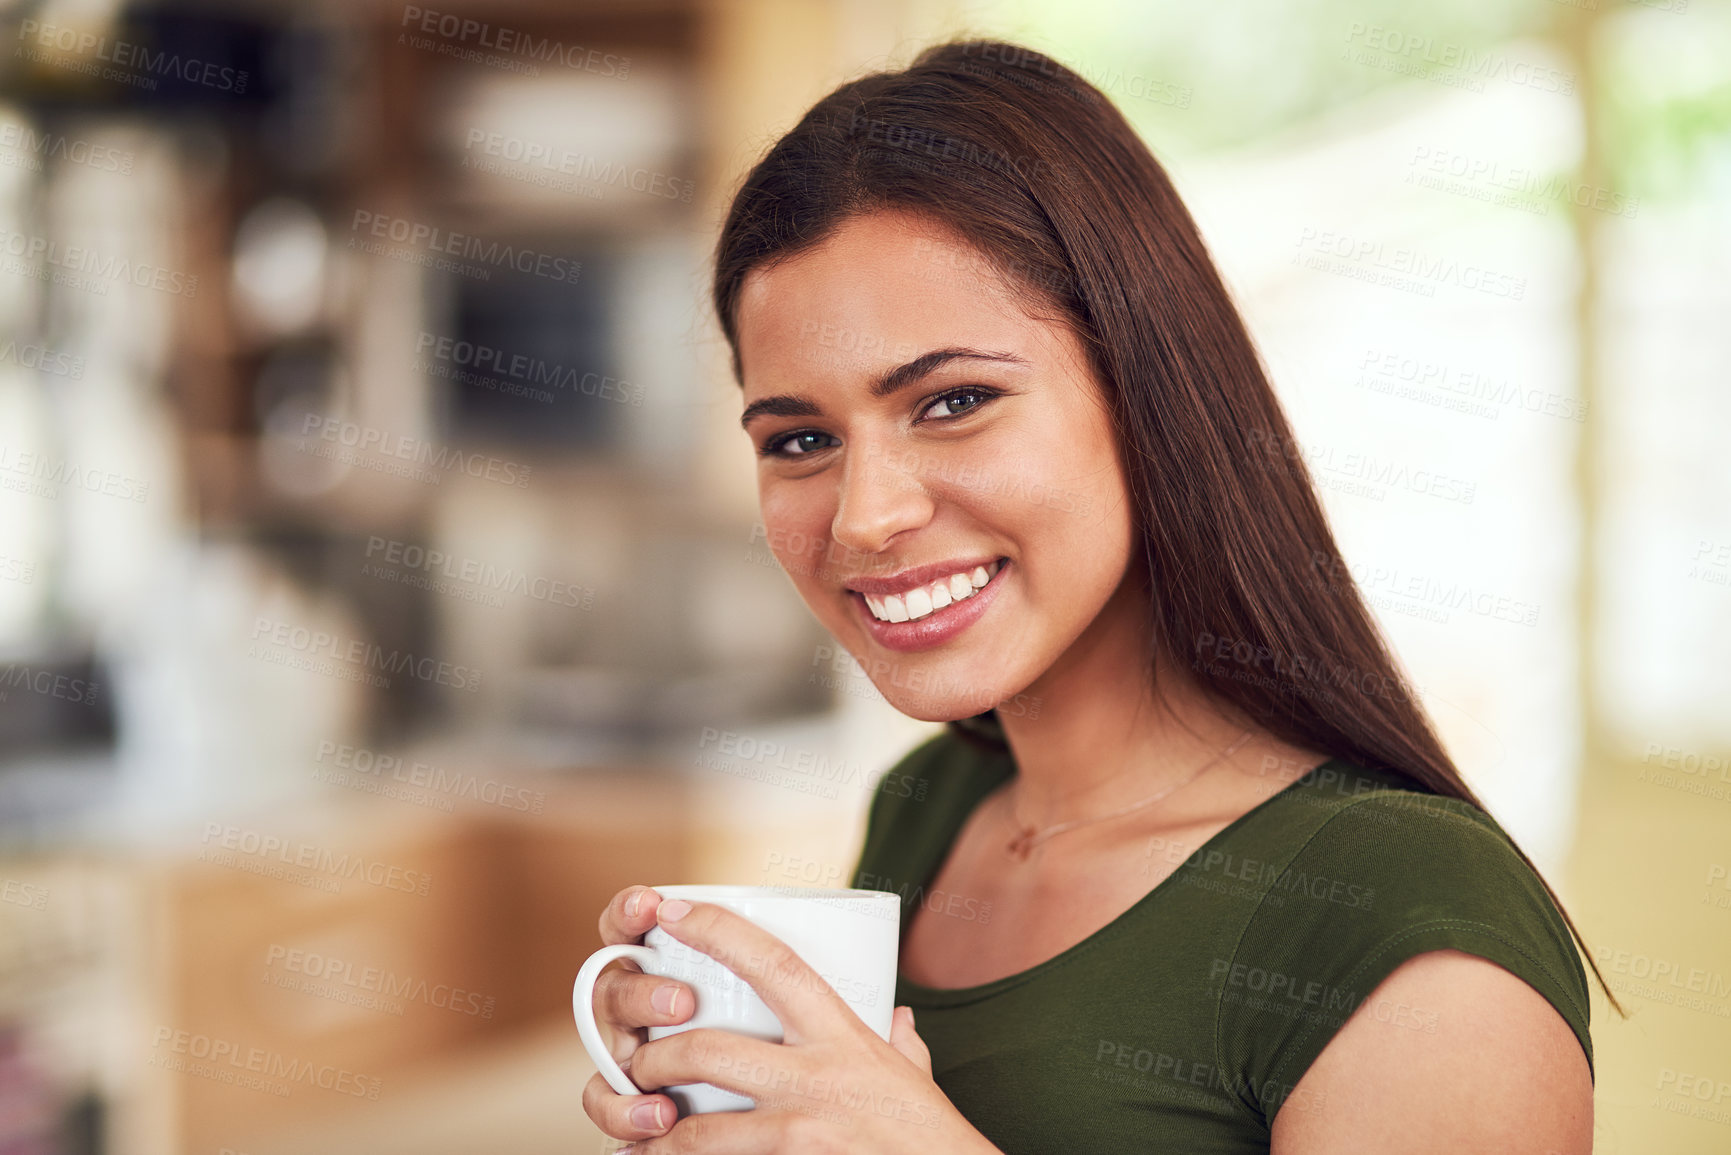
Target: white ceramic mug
849, 937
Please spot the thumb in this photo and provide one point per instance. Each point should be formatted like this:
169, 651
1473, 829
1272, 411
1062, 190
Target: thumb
905, 1040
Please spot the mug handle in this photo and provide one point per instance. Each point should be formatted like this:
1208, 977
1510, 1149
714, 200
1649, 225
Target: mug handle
583, 1007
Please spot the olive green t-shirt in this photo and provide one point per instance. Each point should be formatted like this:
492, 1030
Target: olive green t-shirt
1187, 1022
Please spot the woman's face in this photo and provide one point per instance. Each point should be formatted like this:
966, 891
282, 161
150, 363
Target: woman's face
937, 468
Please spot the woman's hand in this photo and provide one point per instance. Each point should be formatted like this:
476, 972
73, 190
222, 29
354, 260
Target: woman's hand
831, 1086
627, 1001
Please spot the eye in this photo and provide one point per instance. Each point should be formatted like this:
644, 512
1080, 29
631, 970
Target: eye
799, 443
959, 401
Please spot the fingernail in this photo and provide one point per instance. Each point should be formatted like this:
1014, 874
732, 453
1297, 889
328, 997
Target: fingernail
647, 1116
673, 910
632, 903
665, 999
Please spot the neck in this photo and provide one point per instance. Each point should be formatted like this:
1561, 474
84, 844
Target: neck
1114, 724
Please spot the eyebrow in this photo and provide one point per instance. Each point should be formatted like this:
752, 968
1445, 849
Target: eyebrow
887, 383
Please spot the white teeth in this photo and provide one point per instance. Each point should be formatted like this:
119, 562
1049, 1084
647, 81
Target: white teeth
922, 600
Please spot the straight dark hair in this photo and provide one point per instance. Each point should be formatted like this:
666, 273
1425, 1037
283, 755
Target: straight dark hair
1040, 173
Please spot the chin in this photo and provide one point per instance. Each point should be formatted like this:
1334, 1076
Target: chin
929, 693
940, 685
934, 710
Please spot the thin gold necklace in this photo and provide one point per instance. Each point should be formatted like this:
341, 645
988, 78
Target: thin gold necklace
1028, 837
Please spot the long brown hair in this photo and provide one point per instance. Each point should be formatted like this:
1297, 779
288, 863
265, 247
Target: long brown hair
1040, 173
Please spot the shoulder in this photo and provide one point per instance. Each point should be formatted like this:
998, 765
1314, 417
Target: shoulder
1450, 1053
1370, 877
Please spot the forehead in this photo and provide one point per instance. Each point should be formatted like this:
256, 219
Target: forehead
881, 289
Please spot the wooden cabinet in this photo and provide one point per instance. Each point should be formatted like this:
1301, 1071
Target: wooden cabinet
313, 974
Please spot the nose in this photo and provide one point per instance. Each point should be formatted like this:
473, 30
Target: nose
880, 498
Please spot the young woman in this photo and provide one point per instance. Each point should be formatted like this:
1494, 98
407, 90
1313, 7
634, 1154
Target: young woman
1188, 870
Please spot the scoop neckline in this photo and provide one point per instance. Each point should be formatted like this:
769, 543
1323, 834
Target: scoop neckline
923, 995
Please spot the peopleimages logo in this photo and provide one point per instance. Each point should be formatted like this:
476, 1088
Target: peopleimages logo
310, 644
223, 842
435, 564
32, 147
519, 367
467, 246
42, 359
30, 895
1364, 258
453, 783
96, 267
731, 752
1459, 387
497, 44
366, 439
124, 54
1459, 65
43, 476
534, 155
335, 978
1488, 174
48, 683
263, 1066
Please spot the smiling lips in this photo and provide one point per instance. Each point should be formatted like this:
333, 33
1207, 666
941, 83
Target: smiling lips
920, 600
900, 600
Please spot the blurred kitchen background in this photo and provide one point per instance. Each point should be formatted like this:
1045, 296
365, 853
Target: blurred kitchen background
381, 585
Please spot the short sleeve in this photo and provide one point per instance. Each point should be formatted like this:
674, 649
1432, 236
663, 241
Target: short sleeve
1391, 875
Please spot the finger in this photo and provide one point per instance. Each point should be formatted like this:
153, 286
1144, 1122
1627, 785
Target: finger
732, 1133
800, 997
733, 1062
906, 1040
629, 914
631, 999
627, 1116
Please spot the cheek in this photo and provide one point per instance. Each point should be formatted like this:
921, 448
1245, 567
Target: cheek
1075, 512
795, 502
796, 528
